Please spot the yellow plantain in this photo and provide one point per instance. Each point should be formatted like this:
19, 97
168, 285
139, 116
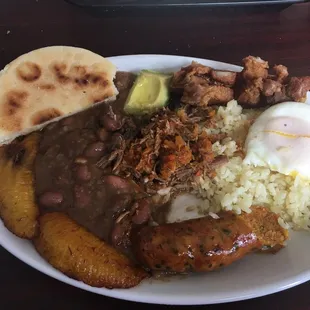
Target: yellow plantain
80, 255
18, 209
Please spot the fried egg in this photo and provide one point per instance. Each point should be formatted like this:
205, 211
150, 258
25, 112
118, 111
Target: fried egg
280, 139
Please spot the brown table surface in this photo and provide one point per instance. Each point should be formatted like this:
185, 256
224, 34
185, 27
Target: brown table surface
278, 35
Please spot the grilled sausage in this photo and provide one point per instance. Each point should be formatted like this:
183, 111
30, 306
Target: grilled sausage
202, 244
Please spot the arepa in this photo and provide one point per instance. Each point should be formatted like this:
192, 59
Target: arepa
50, 83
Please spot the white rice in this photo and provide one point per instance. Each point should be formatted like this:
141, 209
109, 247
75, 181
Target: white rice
238, 186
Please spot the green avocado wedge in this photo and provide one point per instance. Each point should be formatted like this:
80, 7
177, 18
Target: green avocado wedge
149, 93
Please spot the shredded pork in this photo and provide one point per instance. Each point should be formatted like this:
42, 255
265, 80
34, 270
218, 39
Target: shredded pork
170, 150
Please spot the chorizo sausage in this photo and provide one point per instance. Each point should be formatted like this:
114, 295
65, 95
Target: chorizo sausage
202, 244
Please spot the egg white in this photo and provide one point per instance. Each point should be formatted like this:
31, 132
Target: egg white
280, 139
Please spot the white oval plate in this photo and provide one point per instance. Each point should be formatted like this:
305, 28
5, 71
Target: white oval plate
253, 276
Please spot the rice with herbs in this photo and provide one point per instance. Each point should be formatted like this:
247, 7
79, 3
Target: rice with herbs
237, 186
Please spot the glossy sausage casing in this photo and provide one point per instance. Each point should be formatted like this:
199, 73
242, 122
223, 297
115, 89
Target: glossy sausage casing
202, 244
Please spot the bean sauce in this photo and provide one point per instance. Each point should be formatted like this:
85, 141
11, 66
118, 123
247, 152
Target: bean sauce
69, 180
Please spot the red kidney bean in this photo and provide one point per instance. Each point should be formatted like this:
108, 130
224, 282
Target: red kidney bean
119, 184
120, 232
102, 134
51, 199
112, 123
83, 173
142, 212
95, 149
82, 196
121, 203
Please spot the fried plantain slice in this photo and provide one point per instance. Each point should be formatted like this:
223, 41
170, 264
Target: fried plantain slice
18, 209
80, 255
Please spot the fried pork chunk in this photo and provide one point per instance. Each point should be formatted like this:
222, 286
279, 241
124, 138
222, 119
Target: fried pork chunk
255, 82
297, 88
254, 68
281, 73
226, 77
206, 94
260, 87
185, 75
203, 86
255, 85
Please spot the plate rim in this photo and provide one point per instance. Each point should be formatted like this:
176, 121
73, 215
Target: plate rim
130, 294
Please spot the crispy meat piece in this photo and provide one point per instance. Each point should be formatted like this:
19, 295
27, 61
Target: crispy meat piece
278, 97
251, 80
281, 73
225, 77
251, 93
198, 69
203, 149
257, 87
258, 83
271, 87
203, 86
193, 93
297, 88
198, 79
250, 96
183, 151
205, 94
169, 166
146, 162
184, 76
254, 68
175, 154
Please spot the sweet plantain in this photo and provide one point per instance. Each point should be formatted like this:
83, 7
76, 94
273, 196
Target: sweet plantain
18, 209
80, 255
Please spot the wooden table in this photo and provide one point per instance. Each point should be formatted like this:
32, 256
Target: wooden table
280, 36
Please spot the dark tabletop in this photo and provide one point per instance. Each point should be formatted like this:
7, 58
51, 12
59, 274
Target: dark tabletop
280, 35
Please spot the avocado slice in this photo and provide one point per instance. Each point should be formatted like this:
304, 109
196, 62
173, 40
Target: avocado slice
149, 93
